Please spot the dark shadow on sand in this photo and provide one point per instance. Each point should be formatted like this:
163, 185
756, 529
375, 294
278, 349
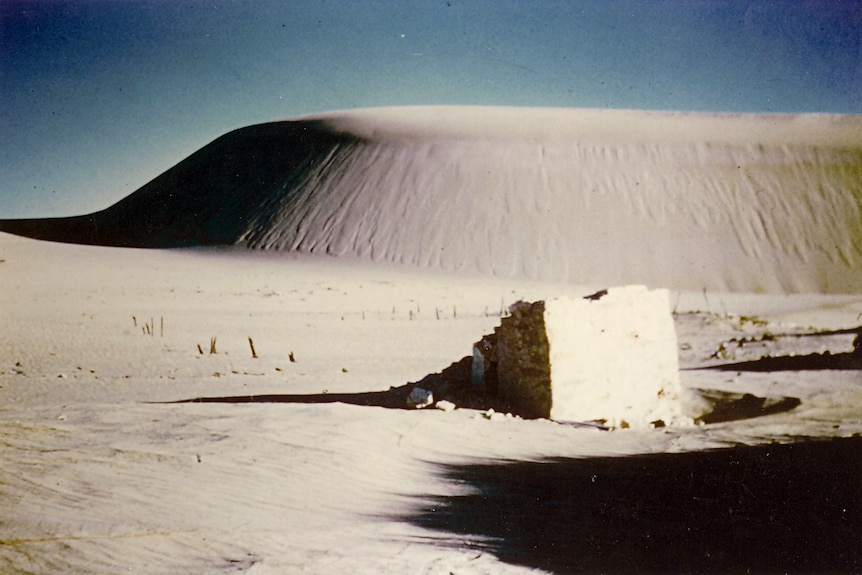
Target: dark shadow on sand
791, 508
388, 399
813, 361
729, 406
452, 384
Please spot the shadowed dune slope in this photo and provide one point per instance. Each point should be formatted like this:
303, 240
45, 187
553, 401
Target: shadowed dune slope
689, 201
207, 199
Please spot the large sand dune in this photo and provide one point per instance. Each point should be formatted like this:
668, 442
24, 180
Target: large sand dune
686, 201
125, 447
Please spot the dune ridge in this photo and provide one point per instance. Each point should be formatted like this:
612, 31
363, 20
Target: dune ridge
753, 203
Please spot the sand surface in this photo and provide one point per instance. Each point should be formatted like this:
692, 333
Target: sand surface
748, 203
99, 477
384, 243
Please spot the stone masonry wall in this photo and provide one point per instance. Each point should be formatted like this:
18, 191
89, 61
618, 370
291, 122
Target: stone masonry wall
523, 369
611, 357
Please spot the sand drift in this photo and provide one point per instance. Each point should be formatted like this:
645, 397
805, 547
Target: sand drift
752, 203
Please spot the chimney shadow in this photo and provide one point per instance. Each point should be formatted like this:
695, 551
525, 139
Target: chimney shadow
453, 384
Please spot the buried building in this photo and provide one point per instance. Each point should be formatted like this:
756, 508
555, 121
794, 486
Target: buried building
611, 357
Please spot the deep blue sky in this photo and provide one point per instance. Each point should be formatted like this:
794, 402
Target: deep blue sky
97, 98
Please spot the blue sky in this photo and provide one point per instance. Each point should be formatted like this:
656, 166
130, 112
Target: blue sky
99, 97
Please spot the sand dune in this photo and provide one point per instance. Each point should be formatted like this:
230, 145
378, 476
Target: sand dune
685, 201
280, 463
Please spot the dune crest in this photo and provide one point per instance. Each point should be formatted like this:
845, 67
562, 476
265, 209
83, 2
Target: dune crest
753, 203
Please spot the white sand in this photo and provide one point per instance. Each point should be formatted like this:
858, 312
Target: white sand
687, 201
745, 203
97, 477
